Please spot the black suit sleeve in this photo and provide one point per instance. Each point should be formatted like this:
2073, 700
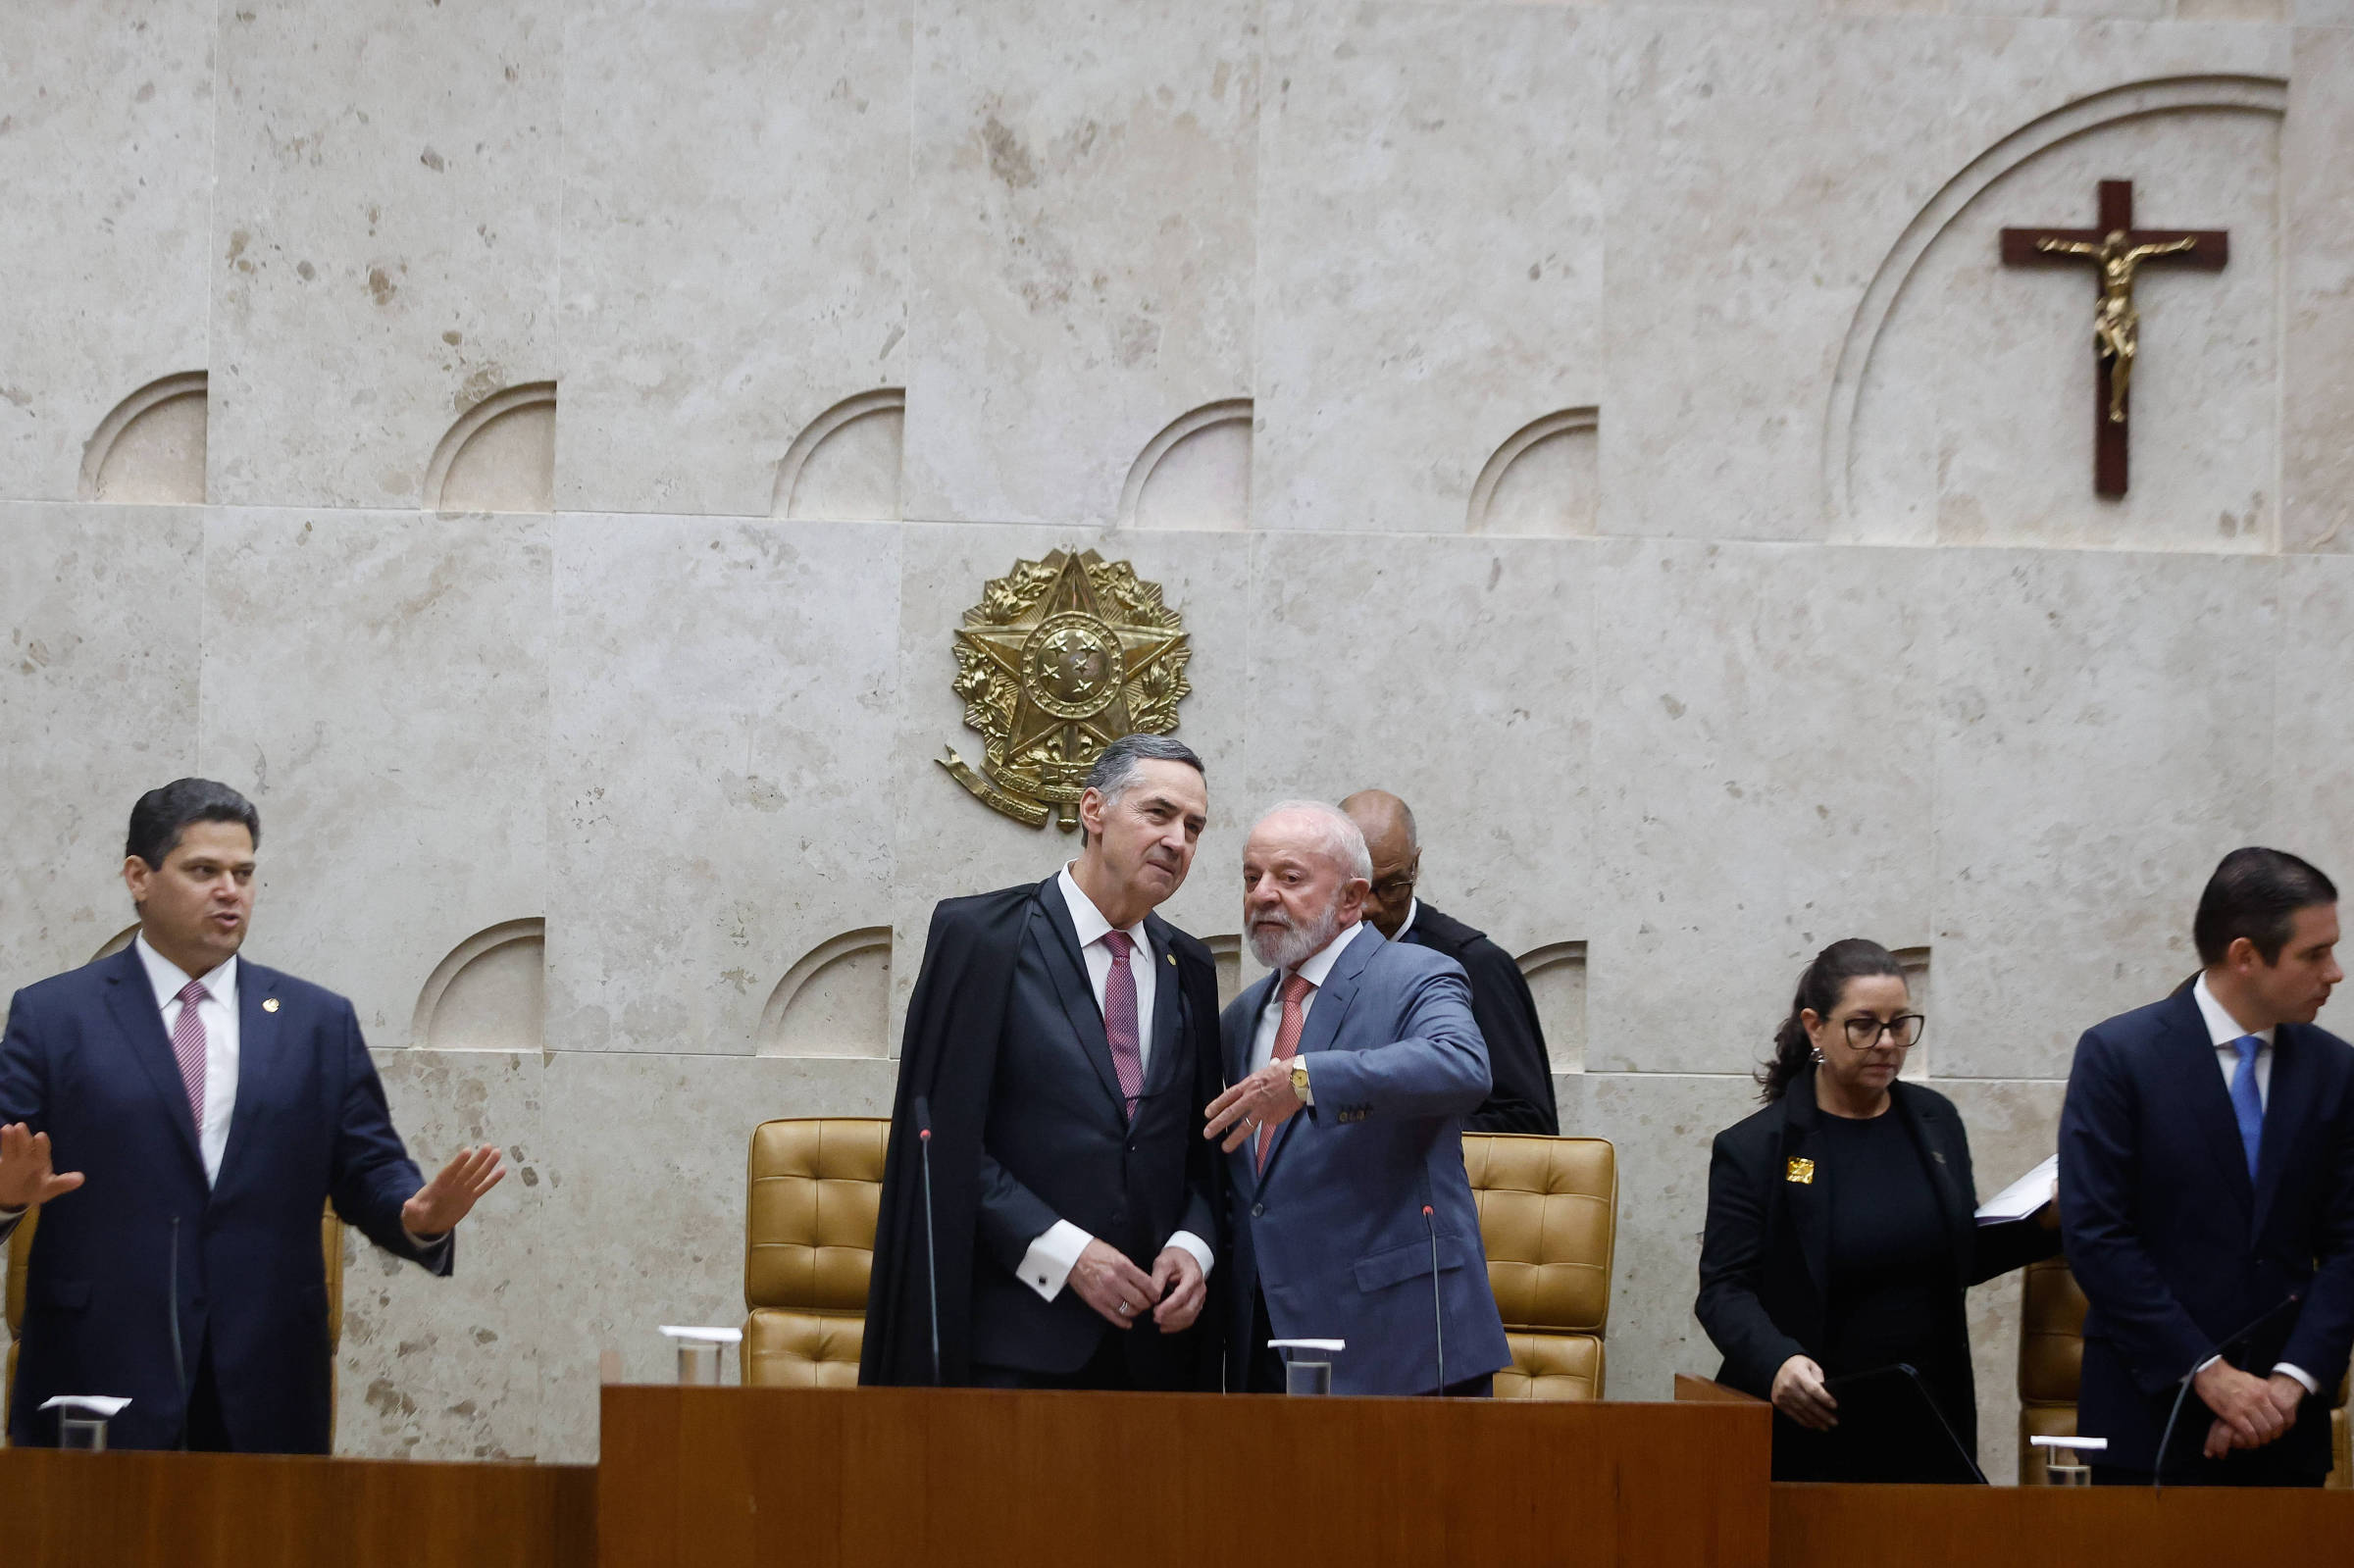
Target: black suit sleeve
2100, 1139
371, 1174
23, 1076
1011, 1216
1732, 1253
1996, 1249
1205, 1166
2326, 1322
1520, 1094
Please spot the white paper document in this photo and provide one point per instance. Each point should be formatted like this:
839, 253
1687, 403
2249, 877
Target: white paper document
2023, 1196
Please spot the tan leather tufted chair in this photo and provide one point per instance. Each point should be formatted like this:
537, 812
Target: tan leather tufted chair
816, 1187
2051, 1361
1549, 1215
20, 1256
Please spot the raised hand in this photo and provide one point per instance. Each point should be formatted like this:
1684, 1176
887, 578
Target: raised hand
437, 1206
27, 1177
1265, 1098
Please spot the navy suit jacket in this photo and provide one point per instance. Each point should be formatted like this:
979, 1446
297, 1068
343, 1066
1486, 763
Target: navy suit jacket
144, 1242
1332, 1232
2177, 1249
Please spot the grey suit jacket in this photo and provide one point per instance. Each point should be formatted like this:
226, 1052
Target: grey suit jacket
1332, 1232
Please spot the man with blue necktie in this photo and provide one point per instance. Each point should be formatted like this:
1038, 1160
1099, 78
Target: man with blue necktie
2207, 1199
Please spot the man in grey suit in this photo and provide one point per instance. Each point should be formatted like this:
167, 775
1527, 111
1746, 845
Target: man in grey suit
1352, 1066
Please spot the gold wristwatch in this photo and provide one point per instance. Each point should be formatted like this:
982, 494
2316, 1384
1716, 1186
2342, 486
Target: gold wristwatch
1300, 1078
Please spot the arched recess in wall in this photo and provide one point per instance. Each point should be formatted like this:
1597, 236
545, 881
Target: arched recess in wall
149, 450
1915, 961
1195, 474
836, 1001
490, 994
845, 468
499, 456
1227, 953
1544, 480
1896, 280
116, 944
1557, 978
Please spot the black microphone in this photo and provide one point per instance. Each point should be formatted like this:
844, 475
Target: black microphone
180, 1364
1438, 1319
2158, 1460
923, 1137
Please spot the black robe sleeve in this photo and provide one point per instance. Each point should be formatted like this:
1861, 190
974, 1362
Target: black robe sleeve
1206, 1167
949, 1054
1521, 1096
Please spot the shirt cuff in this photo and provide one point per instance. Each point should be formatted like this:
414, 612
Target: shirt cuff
1197, 1247
1048, 1262
2203, 1366
418, 1241
9, 1216
1304, 1086
2298, 1373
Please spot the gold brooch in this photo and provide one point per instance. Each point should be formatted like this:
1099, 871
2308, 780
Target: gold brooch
268, 1004
1061, 657
1802, 1171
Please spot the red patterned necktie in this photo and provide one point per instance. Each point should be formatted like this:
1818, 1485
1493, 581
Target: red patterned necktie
188, 1046
1287, 1041
1119, 1018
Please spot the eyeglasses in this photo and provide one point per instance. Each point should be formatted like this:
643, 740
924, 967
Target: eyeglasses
1391, 889
1903, 1031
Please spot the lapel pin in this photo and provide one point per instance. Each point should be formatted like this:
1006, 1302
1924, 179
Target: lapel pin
268, 1004
1172, 960
1802, 1171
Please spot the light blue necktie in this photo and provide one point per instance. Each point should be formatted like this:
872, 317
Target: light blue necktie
2246, 1104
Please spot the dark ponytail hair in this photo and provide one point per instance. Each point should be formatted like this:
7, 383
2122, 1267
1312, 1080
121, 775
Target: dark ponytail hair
1818, 991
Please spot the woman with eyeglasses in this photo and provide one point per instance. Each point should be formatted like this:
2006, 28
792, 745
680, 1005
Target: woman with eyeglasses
1841, 1233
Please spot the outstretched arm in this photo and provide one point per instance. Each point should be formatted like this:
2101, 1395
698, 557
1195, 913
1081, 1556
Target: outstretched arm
2068, 247
2141, 253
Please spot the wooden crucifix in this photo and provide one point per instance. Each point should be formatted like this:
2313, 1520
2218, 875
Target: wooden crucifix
2116, 249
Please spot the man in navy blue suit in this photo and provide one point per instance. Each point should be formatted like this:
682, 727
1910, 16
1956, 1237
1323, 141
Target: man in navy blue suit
209, 1107
2207, 1199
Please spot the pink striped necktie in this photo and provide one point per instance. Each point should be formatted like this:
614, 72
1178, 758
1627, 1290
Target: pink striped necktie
1120, 1019
188, 1046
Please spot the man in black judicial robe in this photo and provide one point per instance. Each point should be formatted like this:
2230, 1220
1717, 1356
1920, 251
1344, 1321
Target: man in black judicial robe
1520, 1098
1064, 1041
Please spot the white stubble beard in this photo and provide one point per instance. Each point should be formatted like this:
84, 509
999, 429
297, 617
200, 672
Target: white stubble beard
1296, 945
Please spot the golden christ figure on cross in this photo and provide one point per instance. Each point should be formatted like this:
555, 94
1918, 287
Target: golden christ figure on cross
2116, 324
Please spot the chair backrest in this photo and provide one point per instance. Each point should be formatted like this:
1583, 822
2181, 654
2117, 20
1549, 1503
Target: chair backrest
2050, 1365
814, 1188
1548, 1217
20, 1260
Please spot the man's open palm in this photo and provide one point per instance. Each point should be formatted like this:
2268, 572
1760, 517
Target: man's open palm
27, 1177
449, 1197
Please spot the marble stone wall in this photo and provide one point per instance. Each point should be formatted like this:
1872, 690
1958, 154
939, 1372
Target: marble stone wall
1614, 432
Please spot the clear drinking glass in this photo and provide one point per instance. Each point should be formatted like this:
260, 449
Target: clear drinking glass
698, 1362
81, 1430
1307, 1377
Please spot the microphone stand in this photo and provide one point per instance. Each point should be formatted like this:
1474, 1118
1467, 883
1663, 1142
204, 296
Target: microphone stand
923, 1135
1438, 1319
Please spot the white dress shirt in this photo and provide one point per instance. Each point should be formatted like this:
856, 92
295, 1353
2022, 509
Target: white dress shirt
1413, 907
1270, 1019
2222, 1029
217, 1013
1046, 1266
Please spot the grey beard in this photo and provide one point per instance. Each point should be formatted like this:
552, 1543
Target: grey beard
1297, 944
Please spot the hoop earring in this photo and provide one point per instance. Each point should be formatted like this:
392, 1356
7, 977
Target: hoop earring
1816, 1056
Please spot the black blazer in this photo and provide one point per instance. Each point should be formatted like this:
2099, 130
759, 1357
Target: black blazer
1520, 1093
2176, 1247
1765, 1260
1058, 1145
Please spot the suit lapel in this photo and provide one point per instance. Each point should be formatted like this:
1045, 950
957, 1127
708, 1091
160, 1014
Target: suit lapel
132, 1000
2285, 1100
2189, 1056
261, 1046
1931, 1141
1806, 1184
1166, 1000
1060, 943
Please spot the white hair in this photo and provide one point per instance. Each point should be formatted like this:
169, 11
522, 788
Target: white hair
1342, 838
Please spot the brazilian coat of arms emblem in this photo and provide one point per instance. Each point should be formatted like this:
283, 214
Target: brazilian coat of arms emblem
1061, 657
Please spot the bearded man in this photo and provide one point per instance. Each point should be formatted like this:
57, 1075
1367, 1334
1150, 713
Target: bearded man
1060, 1042
1354, 1065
